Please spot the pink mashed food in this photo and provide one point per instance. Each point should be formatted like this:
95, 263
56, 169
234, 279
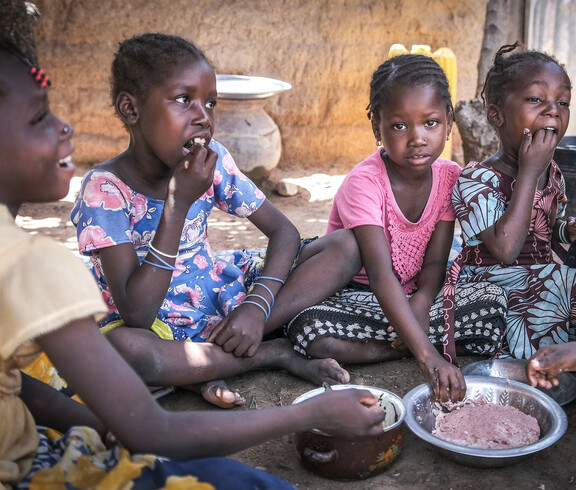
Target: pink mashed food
482, 425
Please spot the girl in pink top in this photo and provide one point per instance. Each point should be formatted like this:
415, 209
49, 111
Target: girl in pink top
397, 202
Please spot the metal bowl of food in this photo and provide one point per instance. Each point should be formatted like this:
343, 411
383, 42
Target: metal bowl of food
515, 369
422, 409
343, 459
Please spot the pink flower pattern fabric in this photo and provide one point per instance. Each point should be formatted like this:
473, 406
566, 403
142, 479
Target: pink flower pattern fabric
204, 288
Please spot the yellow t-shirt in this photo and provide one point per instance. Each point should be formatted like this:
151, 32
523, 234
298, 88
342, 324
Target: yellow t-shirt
42, 288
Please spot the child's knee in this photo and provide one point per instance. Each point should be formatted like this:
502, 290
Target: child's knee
343, 245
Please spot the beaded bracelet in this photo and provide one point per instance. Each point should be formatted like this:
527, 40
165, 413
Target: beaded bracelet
154, 249
258, 305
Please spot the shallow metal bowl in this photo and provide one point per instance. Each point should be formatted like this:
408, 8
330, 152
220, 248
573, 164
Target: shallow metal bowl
421, 419
515, 369
240, 87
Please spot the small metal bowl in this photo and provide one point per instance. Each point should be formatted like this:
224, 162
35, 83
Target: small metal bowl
421, 420
515, 369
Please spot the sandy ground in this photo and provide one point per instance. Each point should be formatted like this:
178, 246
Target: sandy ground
419, 466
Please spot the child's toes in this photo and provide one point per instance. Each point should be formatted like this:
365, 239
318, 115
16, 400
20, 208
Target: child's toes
219, 393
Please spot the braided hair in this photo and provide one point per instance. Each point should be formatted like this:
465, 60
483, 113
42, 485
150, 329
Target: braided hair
509, 69
145, 60
17, 22
406, 70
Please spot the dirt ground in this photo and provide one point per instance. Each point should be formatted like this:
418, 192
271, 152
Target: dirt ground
419, 466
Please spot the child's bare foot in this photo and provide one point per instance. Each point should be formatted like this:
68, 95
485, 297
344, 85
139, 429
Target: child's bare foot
218, 393
317, 371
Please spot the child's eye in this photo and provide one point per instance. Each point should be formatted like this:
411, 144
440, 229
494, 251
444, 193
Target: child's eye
211, 104
563, 103
399, 126
431, 123
182, 99
40, 117
534, 99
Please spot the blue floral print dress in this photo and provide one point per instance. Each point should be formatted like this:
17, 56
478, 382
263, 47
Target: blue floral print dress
204, 288
540, 291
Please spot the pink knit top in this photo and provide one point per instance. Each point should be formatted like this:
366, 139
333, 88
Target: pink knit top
366, 198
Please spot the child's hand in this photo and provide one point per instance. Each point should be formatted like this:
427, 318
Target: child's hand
240, 332
446, 380
193, 176
348, 413
571, 228
536, 150
544, 366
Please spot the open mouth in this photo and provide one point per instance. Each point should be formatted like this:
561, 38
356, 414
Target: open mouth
65, 162
419, 157
195, 141
548, 128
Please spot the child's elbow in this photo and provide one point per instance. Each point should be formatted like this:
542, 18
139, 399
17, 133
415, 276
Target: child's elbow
138, 318
505, 256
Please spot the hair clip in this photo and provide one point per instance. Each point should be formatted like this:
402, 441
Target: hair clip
39, 76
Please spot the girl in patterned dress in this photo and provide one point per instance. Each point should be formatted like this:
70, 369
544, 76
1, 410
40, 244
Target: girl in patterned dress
180, 315
50, 303
510, 206
397, 202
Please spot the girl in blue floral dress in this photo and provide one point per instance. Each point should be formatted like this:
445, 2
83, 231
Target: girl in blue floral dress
142, 216
510, 206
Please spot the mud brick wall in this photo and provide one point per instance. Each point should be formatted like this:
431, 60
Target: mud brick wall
327, 50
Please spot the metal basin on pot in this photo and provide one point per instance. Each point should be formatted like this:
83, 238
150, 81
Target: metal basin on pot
342, 459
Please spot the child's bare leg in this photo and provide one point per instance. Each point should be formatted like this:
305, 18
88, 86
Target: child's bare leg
353, 352
325, 265
175, 363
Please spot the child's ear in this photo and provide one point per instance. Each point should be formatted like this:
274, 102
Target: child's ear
449, 124
126, 108
494, 116
376, 129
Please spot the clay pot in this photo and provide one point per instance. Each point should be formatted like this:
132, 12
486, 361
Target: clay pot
249, 134
341, 459
244, 127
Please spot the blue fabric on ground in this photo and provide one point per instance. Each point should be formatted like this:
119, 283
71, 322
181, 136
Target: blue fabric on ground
222, 473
